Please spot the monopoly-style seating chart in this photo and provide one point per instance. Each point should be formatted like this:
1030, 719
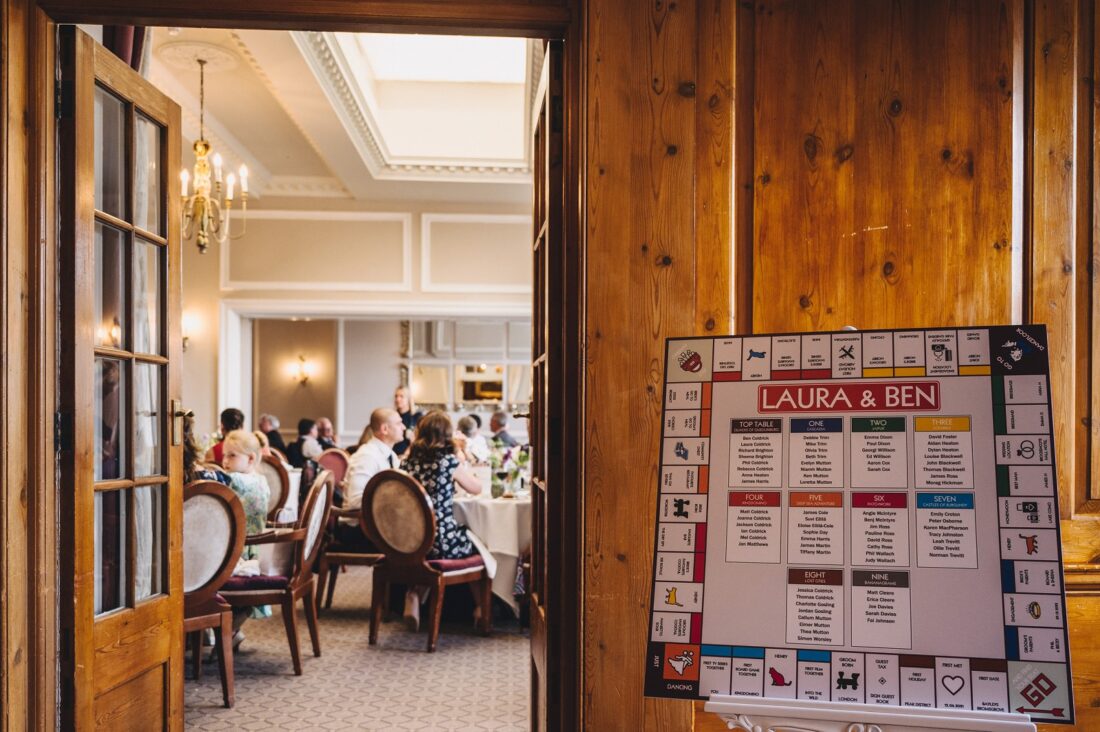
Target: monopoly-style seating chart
866, 517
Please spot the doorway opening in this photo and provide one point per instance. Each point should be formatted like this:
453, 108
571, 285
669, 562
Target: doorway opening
470, 381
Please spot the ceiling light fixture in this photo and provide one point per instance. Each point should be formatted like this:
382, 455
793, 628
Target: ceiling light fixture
206, 212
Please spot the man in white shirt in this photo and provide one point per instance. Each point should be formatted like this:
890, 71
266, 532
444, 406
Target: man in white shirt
377, 454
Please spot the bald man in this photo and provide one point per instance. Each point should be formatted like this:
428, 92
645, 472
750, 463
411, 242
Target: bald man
376, 454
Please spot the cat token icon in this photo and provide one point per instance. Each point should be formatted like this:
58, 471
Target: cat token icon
778, 679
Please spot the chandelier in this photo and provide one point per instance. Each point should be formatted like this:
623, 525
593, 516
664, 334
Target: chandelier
207, 211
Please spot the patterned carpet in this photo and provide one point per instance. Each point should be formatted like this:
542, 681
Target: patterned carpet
469, 683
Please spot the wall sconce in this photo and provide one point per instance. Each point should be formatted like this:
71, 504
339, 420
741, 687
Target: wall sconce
189, 326
305, 370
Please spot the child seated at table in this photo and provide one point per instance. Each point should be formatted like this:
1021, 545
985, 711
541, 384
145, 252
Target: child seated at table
241, 456
242, 453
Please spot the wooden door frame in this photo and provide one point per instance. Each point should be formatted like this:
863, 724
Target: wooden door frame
29, 641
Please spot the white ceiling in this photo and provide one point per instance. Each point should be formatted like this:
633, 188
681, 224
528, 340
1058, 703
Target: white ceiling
366, 117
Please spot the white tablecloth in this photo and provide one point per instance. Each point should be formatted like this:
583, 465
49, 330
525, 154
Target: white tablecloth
504, 526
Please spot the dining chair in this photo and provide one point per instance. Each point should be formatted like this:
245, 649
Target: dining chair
213, 538
278, 483
279, 454
336, 460
397, 516
285, 591
335, 556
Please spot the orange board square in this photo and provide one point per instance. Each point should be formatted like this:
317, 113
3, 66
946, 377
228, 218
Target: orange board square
681, 662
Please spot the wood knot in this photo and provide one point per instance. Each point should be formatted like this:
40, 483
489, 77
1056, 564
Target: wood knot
888, 269
672, 149
603, 170
713, 101
945, 153
1067, 267
895, 107
765, 179
709, 325
811, 146
1046, 48
664, 261
687, 89
999, 244
843, 154
645, 248
804, 302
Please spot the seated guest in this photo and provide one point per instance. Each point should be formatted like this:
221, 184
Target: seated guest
306, 447
269, 425
265, 445
230, 419
498, 425
432, 461
403, 403
377, 454
364, 438
326, 435
477, 449
193, 467
242, 455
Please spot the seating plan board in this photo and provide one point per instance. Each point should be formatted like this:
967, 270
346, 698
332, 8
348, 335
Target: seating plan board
867, 517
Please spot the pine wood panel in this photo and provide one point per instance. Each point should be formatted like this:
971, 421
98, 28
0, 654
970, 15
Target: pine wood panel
642, 273
27, 497
883, 159
714, 165
1061, 224
15, 586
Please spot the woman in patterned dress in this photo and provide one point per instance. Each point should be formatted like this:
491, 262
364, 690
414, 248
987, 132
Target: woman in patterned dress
437, 465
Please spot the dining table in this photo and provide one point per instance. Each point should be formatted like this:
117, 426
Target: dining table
504, 526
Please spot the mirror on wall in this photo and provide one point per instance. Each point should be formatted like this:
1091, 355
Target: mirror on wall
479, 383
430, 385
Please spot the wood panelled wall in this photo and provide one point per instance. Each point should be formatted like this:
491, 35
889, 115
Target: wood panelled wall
896, 163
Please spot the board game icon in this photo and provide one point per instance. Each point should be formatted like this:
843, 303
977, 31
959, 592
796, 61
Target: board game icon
849, 683
778, 679
682, 661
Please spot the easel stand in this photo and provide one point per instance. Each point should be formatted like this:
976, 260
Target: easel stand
756, 714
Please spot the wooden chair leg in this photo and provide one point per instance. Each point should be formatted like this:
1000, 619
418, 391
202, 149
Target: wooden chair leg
292, 632
310, 599
435, 607
485, 622
321, 573
196, 654
332, 575
224, 644
379, 590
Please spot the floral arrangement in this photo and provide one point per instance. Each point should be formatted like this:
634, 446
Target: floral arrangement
511, 467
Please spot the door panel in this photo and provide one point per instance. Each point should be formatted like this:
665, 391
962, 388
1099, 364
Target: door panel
555, 548
121, 488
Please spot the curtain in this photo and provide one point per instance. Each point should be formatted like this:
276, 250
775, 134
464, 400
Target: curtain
127, 42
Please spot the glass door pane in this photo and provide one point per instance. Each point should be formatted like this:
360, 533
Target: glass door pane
110, 419
146, 289
110, 153
147, 175
148, 541
110, 550
148, 420
110, 283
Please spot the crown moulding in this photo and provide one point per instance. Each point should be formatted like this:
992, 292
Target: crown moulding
333, 70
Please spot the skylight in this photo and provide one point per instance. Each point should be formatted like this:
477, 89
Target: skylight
445, 58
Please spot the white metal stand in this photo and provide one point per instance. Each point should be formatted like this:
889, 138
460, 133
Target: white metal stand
755, 714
